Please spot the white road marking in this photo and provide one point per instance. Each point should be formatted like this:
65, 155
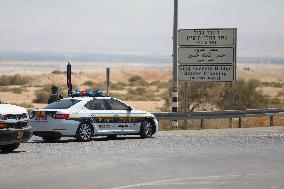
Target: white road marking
170, 180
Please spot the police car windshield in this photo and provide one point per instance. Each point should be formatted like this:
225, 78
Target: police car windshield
62, 104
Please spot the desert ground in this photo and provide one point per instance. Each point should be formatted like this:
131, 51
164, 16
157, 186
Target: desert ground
52, 73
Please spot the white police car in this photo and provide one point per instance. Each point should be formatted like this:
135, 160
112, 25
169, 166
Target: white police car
84, 117
14, 127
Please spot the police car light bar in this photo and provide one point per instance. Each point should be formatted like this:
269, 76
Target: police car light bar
78, 93
84, 93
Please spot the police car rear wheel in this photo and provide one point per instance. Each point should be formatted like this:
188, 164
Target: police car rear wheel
84, 132
146, 129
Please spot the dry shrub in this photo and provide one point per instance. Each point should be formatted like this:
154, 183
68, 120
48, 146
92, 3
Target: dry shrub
272, 84
137, 80
16, 90
138, 94
189, 124
16, 79
117, 86
95, 85
278, 120
41, 96
280, 93
89, 83
216, 123
255, 122
57, 72
166, 125
274, 101
160, 84
25, 105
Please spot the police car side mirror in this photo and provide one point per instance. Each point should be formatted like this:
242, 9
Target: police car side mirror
129, 108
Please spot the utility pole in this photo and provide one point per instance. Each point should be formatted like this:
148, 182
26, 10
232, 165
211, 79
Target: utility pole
175, 60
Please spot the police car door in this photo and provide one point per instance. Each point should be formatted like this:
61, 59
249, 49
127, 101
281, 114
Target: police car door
125, 122
102, 116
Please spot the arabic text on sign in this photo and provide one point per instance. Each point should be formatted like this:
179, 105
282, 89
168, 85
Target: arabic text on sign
194, 55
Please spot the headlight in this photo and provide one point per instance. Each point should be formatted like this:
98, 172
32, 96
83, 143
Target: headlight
1, 117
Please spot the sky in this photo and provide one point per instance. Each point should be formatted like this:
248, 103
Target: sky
136, 26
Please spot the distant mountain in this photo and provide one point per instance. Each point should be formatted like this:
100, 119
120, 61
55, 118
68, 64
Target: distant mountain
108, 57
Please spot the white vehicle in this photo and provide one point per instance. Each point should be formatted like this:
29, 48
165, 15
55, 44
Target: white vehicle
85, 117
14, 127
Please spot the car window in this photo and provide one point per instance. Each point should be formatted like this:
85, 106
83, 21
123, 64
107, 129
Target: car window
62, 104
116, 105
95, 105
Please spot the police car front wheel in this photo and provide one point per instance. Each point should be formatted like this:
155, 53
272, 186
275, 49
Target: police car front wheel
147, 129
84, 132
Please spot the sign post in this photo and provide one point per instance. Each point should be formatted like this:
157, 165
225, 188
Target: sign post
175, 64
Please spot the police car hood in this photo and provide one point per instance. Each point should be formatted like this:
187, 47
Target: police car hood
11, 109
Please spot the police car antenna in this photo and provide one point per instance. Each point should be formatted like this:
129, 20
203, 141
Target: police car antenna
69, 80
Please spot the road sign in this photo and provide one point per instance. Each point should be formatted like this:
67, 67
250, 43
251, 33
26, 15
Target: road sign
207, 37
206, 55
224, 73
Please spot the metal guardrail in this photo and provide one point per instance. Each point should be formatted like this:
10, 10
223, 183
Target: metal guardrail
271, 112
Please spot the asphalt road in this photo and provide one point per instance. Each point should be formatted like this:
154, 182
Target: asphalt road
230, 158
